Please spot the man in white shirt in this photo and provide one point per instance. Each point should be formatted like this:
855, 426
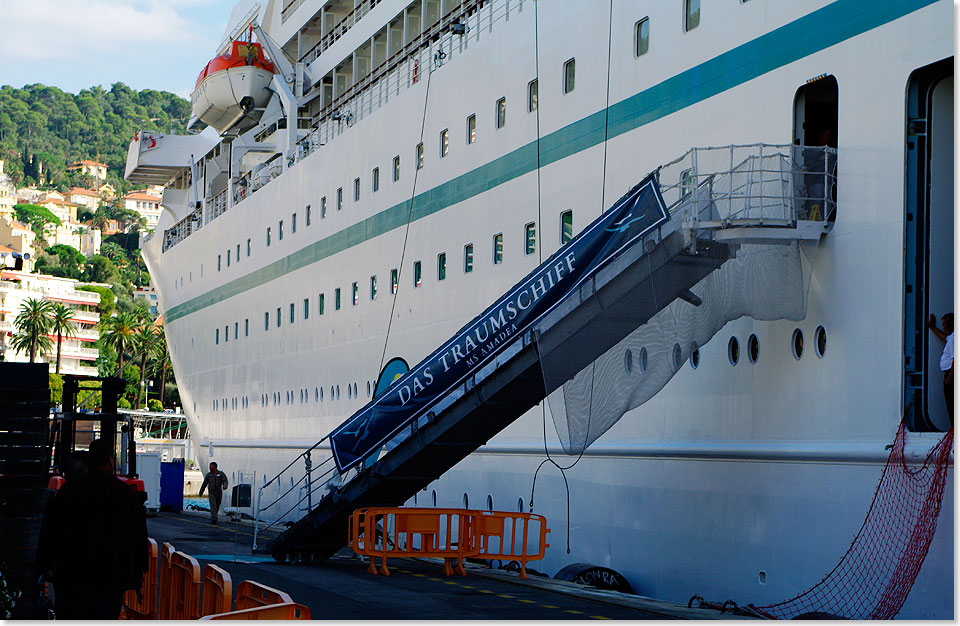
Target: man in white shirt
946, 358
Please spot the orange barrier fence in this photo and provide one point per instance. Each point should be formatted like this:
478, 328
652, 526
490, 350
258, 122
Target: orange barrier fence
252, 594
144, 607
287, 610
163, 576
450, 534
184, 591
430, 533
217, 596
523, 539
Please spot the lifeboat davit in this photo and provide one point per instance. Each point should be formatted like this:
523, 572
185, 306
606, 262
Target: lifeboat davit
232, 85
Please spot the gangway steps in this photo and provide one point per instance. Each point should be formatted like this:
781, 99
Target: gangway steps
621, 292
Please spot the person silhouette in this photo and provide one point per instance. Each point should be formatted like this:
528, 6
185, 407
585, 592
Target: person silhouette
946, 357
93, 540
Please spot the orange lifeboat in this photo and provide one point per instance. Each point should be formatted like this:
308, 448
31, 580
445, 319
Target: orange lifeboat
232, 85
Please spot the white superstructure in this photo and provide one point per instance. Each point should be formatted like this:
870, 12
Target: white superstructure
746, 477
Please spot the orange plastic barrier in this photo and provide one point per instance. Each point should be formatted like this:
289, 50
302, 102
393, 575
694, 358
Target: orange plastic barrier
144, 607
217, 596
184, 592
410, 532
287, 610
500, 540
252, 594
450, 534
163, 577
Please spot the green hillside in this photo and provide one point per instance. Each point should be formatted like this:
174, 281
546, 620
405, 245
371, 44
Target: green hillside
42, 129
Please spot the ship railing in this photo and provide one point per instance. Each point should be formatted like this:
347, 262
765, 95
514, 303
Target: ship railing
430, 50
776, 184
338, 30
182, 229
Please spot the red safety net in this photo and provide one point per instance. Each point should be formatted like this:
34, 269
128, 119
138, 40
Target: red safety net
875, 576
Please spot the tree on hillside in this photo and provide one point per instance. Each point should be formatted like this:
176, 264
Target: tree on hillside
62, 326
146, 343
36, 217
32, 326
119, 333
100, 269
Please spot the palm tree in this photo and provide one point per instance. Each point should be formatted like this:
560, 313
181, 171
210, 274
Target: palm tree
118, 333
162, 361
62, 324
145, 343
33, 325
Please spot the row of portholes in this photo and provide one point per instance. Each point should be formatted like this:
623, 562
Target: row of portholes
353, 391
733, 351
466, 501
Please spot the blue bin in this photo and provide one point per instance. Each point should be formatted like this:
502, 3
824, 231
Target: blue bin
171, 485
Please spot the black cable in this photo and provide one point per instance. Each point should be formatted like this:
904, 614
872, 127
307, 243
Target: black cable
603, 190
406, 233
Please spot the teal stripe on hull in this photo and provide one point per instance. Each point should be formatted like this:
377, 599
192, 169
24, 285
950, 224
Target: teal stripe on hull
812, 33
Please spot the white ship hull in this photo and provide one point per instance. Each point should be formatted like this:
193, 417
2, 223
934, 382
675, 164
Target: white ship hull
744, 482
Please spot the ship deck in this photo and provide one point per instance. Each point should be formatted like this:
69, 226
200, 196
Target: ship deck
340, 588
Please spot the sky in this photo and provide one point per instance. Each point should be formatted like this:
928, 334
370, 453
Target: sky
76, 44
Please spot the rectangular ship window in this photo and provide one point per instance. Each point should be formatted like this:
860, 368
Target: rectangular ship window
356, 189
268, 236
308, 215
373, 287
226, 333
323, 207
532, 88
306, 308
444, 142
238, 253
468, 258
566, 226
530, 238
228, 258
472, 129
375, 177
641, 37
336, 299
246, 327
417, 277
248, 247
396, 168
498, 249
236, 330
441, 266
501, 113
419, 156
278, 317
280, 231
292, 313
217, 340
293, 224
356, 294
218, 262
569, 75
339, 198
394, 280
320, 299
266, 320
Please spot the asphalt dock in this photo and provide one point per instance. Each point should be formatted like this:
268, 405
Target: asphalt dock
341, 589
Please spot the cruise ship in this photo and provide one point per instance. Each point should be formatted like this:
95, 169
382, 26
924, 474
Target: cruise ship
361, 178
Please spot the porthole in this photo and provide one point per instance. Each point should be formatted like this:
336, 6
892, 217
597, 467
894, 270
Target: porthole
733, 351
368, 388
753, 348
643, 360
677, 356
349, 391
797, 344
434, 497
489, 502
694, 355
520, 505
820, 339
466, 500
627, 361
316, 394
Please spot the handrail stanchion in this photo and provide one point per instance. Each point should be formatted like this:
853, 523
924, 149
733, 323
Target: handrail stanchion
309, 467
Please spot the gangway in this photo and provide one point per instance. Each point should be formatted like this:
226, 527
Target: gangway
659, 239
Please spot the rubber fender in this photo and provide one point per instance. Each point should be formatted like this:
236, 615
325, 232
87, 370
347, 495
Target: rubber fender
594, 576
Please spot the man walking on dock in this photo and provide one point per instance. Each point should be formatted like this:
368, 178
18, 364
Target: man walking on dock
216, 481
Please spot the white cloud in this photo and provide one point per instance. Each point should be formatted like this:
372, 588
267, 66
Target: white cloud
83, 29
